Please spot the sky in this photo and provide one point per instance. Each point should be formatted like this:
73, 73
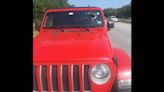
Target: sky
100, 3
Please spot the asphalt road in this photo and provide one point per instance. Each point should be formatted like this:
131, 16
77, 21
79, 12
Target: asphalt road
120, 37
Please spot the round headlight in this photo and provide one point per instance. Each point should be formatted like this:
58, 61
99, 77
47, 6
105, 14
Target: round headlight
100, 73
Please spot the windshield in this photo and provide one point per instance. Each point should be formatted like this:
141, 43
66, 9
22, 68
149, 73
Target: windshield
83, 18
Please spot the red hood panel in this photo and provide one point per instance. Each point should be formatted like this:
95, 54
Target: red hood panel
70, 45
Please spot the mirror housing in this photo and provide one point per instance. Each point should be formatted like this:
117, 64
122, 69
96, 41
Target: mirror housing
110, 24
38, 27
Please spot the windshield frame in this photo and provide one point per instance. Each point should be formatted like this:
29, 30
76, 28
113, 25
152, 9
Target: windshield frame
101, 16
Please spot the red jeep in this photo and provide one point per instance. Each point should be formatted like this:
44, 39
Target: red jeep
73, 53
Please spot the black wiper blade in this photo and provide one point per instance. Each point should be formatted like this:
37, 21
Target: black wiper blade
87, 29
61, 29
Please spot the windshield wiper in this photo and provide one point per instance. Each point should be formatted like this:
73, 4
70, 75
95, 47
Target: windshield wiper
63, 30
60, 28
87, 29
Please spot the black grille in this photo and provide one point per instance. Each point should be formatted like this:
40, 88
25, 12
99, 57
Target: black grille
86, 78
54, 78
76, 80
35, 87
64, 76
44, 77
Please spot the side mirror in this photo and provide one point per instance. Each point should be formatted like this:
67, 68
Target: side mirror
110, 24
38, 27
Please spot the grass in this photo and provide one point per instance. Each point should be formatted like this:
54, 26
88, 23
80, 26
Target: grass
125, 21
128, 22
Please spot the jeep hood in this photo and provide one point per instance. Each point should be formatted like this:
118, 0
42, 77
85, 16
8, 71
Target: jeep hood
60, 46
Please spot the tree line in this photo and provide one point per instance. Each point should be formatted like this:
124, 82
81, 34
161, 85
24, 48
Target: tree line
123, 12
40, 6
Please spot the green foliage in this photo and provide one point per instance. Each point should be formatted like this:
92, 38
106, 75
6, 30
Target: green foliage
40, 6
123, 12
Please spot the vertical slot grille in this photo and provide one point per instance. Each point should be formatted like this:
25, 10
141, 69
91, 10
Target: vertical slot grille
54, 78
76, 83
44, 77
63, 73
65, 81
86, 78
35, 86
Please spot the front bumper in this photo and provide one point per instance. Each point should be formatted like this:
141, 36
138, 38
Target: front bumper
125, 90
124, 85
